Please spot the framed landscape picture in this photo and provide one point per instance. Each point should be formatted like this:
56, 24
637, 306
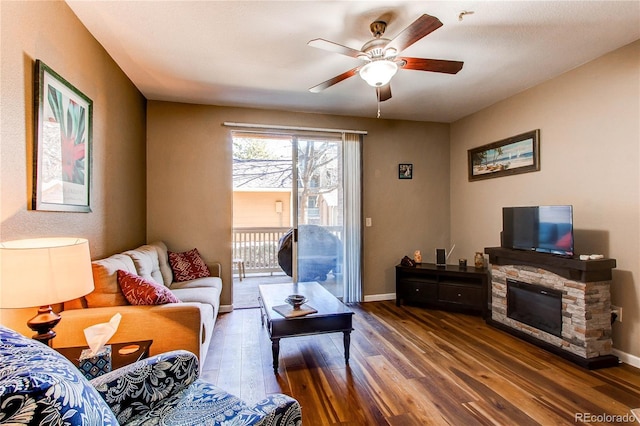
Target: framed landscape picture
62, 144
514, 155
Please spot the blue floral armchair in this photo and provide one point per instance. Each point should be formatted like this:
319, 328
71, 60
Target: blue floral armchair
38, 386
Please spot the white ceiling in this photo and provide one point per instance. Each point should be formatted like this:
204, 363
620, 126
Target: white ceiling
255, 53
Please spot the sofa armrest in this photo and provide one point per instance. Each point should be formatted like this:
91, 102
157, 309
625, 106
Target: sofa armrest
215, 269
135, 389
279, 410
172, 326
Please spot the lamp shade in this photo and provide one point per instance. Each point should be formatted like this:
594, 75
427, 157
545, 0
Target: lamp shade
44, 271
378, 73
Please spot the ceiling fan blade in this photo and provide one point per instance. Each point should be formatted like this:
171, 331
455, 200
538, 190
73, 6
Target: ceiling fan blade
384, 92
421, 27
321, 43
433, 65
335, 80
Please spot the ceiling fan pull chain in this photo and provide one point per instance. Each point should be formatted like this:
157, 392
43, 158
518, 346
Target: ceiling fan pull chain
378, 98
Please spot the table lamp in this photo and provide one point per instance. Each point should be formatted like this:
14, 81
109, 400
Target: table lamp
42, 272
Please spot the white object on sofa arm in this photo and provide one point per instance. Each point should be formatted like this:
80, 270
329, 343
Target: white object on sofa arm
187, 326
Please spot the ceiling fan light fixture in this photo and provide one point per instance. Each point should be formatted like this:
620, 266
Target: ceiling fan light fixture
390, 53
378, 73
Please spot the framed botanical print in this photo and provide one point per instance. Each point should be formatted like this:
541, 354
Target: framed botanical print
62, 144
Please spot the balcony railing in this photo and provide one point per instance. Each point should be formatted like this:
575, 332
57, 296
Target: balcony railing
258, 247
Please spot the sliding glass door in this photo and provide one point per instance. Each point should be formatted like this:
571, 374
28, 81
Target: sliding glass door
294, 185
320, 211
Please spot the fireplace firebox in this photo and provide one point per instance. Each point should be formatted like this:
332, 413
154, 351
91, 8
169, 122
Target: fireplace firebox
536, 306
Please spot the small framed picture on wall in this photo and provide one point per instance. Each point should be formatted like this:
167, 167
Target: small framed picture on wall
405, 171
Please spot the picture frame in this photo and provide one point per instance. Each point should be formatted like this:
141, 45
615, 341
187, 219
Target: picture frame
515, 155
62, 144
405, 171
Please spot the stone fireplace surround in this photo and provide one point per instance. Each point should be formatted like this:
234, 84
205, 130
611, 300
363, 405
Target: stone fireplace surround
586, 302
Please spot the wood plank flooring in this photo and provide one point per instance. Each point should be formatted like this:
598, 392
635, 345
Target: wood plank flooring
415, 366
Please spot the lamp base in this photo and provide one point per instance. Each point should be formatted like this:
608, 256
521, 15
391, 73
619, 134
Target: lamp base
43, 324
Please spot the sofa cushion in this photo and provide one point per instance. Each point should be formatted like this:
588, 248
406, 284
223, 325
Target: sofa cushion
140, 291
40, 386
145, 258
188, 265
209, 296
198, 283
163, 261
107, 291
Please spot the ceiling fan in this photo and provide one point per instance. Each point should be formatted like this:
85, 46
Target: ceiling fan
381, 56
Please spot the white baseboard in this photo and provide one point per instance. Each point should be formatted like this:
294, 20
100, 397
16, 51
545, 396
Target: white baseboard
627, 358
225, 309
380, 297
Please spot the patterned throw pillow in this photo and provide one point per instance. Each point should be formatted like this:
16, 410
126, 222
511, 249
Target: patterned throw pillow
139, 291
188, 266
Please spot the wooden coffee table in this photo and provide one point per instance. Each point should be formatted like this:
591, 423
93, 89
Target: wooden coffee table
332, 316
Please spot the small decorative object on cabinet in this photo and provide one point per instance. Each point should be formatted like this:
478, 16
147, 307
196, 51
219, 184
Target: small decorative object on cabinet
407, 261
450, 287
417, 256
479, 260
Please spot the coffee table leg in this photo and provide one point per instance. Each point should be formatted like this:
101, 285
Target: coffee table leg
262, 314
275, 350
347, 342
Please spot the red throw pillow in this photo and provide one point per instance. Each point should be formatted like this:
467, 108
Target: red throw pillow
188, 266
139, 291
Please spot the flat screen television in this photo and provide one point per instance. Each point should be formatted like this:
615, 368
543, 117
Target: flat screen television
546, 229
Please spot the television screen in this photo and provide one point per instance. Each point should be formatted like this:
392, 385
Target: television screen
547, 229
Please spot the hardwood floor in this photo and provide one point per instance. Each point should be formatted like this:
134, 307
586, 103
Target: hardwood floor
415, 366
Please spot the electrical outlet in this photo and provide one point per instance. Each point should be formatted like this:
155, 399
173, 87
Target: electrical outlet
618, 311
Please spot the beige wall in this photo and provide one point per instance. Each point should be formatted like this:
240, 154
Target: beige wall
589, 121
49, 31
251, 209
190, 191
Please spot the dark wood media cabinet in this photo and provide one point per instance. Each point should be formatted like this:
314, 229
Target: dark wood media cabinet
447, 287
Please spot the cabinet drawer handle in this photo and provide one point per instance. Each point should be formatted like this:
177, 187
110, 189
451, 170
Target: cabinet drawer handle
459, 294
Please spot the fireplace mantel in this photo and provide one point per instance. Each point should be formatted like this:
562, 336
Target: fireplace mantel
567, 267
